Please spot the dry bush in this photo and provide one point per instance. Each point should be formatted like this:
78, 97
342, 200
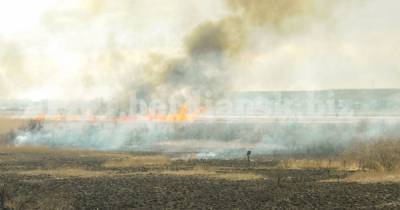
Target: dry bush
381, 155
387, 154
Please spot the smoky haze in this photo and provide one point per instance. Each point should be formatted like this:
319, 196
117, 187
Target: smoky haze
212, 48
157, 50
101, 49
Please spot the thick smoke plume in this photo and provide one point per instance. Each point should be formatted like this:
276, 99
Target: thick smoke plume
100, 48
212, 48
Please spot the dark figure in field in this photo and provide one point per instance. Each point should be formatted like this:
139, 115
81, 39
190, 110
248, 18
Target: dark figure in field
248, 156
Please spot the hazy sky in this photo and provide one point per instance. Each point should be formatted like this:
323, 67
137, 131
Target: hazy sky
92, 48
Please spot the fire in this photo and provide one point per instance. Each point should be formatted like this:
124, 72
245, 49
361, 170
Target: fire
182, 115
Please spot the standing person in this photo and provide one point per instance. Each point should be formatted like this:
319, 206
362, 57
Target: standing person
248, 157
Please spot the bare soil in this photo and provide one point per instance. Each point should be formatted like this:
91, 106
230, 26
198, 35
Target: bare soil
54, 179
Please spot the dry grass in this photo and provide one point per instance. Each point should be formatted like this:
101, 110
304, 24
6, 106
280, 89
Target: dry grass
66, 172
26, 149
9, 124
370, 177
318, 164
374, 177
211, 173
47, 150
382, 155
14, 154
197, 172
127, 161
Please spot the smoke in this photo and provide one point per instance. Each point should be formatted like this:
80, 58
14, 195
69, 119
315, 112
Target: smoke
346, 38
278, 13
223, 38
87, 47
212, 49
209, 50
11, 67
223, 139
102, 49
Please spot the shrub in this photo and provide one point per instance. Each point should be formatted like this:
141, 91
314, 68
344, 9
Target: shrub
380, 155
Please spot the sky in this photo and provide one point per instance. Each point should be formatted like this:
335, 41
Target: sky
83, 49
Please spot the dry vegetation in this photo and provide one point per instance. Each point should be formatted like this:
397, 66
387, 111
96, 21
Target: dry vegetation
319, 164
66, 172
31, 172
28, 149
127, 161
8, 124
195, 172
373, 177
209, 172
43, 178
382, 155
155, 165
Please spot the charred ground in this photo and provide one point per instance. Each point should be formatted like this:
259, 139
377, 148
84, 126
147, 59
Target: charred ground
40, 178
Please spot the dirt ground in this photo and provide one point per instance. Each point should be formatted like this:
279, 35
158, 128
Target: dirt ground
40, 178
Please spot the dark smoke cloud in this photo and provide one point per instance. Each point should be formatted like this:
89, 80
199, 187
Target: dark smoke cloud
211, 47
221, 38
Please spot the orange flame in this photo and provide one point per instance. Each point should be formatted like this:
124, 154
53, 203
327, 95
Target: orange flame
182, 115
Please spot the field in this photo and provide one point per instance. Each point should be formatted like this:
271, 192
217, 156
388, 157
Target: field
41, 178
44, 178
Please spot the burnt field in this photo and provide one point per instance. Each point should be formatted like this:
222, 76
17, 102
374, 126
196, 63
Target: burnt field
40, 178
